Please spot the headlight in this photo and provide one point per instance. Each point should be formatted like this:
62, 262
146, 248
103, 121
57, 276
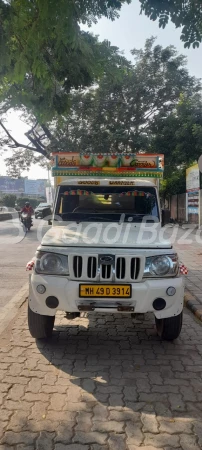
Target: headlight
161, 266
51, 264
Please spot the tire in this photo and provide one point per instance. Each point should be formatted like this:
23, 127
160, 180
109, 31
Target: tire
40, 327
169, 329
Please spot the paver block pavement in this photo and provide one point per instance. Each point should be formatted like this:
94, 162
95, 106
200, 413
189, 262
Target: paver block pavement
99, 385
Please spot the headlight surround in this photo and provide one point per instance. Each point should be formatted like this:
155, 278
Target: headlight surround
51, 264
161, 266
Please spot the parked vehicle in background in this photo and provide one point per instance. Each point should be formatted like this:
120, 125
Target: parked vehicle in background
6, 209
43, 210
3, 209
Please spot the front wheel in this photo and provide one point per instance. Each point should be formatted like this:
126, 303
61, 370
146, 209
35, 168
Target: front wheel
40, 327
169, 329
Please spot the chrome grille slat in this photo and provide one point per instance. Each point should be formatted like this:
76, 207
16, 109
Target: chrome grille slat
77, 266
77, 262
135, 268
105, 271
92, 267
120, 268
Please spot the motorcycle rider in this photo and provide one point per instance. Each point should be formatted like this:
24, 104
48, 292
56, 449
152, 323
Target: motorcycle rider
27, 209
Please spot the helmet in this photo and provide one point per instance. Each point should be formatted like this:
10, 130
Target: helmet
27, 204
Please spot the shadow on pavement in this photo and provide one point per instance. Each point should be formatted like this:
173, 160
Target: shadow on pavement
103, 383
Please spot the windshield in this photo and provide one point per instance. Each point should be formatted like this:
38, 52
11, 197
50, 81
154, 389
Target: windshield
105, 203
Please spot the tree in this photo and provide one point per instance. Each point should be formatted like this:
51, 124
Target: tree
186, 14
133, 112
179, 137
41, 135
41, 115
9, 200
38, 83
45, 54
118, 116
174, 183
180, 133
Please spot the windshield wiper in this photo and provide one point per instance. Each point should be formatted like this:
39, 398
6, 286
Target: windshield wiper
132, 218
77, 219
102, 218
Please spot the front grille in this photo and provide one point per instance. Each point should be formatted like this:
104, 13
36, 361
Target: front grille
134, 268
120, 268
91, 268
77, 266
106, 271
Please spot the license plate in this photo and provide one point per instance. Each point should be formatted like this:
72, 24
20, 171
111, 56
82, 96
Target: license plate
105, 290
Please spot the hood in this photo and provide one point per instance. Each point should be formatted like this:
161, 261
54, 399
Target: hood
106, 235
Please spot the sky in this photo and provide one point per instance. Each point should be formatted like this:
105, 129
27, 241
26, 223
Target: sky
17, 129
128, 32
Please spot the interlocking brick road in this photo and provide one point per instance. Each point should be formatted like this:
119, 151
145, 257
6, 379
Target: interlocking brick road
101, 383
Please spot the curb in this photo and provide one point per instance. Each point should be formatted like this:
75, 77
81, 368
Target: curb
193, 305
8, 312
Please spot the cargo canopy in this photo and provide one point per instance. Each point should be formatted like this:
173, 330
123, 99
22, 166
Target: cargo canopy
140, 165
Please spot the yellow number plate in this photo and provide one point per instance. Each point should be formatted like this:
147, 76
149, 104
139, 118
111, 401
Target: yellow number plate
105, 290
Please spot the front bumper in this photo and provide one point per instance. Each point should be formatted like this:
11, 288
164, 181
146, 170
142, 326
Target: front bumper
143, 295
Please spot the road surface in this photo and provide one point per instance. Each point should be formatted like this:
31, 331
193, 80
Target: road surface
16, 249
104, 382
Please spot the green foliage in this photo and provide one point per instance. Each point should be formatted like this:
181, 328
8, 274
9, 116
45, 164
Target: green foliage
179, 135
119, 115
186, 14
153, 105
44, 53
174, 182
9, 200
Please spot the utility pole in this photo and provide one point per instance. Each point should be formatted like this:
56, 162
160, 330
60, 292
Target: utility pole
49, 183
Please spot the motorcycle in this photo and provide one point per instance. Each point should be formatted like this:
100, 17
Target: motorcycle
26, 221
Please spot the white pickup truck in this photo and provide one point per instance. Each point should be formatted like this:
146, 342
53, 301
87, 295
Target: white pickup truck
104, 252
